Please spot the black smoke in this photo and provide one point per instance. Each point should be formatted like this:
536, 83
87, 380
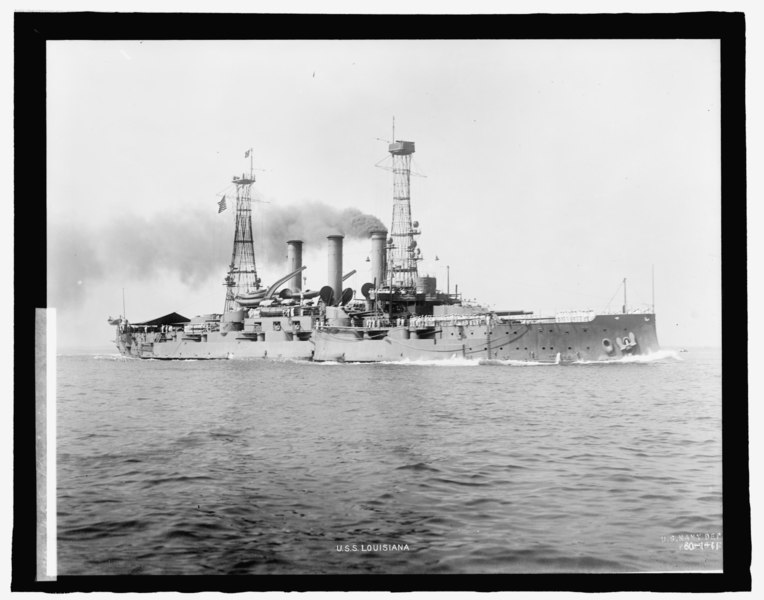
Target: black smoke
310, 222
193, 246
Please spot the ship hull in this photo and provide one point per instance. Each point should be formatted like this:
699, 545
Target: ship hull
605, 337
600, 339
211, 346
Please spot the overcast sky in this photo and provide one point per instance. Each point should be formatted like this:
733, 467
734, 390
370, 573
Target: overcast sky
553, 170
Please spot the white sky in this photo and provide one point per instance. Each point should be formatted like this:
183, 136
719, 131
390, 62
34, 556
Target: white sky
554, 169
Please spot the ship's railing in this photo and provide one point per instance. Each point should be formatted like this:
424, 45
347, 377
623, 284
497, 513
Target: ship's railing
572, 316
427, 321
630, 311
378, 323
575, 316
283, 311
367, 324
474, 320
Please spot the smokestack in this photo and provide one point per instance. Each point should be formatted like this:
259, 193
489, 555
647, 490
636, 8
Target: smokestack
294, 262
335, 265
378, 256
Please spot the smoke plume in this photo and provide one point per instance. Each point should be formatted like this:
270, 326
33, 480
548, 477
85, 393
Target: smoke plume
311, 222
191, 246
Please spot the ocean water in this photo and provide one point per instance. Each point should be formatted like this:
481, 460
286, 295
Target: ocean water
264, 467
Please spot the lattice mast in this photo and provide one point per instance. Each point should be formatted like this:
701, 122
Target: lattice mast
403, 254
242, 272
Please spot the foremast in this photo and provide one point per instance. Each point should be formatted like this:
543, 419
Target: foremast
242, 272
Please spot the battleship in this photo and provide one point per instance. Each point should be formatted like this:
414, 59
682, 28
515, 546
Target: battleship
399, 314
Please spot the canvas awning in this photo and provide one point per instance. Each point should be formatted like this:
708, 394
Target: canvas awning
171, 319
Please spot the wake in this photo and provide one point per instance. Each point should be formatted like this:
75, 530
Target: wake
659, 356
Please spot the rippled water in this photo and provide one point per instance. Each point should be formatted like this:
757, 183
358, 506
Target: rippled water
245, 467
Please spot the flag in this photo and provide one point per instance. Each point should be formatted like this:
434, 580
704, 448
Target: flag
221, 205
246, 154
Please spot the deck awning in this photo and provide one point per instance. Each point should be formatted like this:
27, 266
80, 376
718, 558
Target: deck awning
171, 319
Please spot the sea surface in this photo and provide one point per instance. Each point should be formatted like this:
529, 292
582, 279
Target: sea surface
262, 467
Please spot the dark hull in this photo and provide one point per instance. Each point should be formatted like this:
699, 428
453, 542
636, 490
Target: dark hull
540, 341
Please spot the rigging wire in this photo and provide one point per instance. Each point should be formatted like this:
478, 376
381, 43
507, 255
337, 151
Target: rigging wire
226, 190
607, 306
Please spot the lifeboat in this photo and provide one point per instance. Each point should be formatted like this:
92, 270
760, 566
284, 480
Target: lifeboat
252, 295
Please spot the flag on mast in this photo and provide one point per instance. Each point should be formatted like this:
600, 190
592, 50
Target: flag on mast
246, 154
221, 205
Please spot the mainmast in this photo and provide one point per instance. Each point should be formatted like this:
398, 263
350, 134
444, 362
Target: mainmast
402, 252
242, 272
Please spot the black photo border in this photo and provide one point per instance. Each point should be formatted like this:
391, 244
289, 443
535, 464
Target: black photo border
31, 32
